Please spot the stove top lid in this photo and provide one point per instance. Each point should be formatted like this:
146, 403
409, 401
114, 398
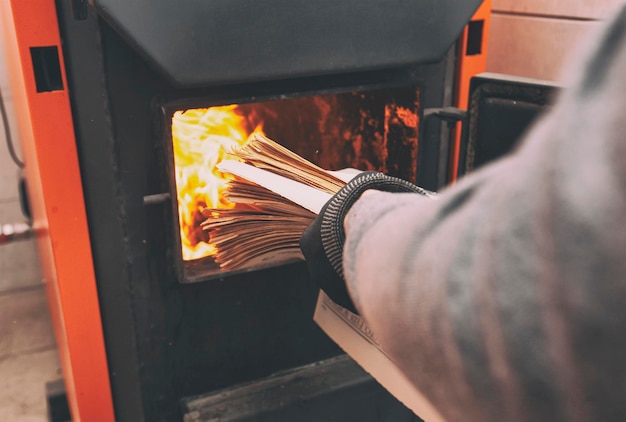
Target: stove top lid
210, 42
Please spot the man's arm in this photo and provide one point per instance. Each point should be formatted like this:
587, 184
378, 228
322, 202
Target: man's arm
505, 298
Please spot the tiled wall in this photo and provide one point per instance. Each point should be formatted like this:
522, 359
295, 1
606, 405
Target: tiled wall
536, 38
19, 265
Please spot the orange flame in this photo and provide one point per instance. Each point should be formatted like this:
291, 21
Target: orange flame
201, 138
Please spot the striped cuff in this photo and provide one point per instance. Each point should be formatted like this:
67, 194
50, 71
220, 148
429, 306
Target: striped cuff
332, 231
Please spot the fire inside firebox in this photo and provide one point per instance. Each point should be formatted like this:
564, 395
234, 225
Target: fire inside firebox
373, 130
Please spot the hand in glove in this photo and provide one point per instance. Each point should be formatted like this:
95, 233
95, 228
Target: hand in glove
322, 242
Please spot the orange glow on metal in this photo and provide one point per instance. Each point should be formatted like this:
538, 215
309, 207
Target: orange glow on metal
57, 203
408, 117
468, 66
201, 138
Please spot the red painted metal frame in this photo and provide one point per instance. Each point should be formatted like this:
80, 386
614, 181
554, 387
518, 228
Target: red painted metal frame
468, 66
56, 197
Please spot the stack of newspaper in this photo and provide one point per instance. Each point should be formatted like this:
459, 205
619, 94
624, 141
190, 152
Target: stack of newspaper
277, 194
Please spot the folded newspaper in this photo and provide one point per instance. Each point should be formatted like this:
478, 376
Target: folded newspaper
277, 195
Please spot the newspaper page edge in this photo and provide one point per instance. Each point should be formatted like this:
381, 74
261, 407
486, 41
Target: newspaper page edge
363, 349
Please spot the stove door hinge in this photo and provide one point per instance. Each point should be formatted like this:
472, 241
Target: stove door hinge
449, 115
79, 9
437, 173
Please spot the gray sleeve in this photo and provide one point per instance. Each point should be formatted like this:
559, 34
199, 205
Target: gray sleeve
505, 298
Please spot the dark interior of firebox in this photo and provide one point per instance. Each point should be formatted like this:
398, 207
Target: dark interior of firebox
367, 130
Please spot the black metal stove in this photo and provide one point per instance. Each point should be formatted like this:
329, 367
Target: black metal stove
130, 65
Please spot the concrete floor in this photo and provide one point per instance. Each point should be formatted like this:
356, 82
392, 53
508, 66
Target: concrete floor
28, 354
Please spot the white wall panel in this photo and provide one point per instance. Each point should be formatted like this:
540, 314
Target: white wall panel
536, 47
581, 9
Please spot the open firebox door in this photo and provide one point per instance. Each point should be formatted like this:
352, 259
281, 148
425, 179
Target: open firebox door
369, 130
159, 90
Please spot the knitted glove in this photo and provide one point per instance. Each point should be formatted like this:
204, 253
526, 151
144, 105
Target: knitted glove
322, 242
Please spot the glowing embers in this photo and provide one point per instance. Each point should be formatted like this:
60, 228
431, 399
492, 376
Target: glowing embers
201, 137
